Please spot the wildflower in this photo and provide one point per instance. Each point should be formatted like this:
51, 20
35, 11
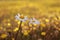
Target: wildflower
16, 29
21, 17
3, 35
34, 28
25, 27
34, 22
46, 20
25, 33
3, 32
43, 33
42, 25
9, 24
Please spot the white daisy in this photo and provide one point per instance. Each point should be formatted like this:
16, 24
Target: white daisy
21, 18
34, 21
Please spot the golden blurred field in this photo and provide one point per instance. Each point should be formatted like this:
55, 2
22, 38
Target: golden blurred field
37, 7
47, 12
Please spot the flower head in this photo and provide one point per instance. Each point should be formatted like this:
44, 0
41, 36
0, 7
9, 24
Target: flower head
43, 33
20, 17
34, 21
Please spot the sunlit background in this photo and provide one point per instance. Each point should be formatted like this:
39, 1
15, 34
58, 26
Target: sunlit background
46, 11
30, 7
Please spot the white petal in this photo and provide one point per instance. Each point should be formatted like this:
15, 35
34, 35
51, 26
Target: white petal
17, 17
25, 18
30, 23
30, 19
37, 22
34, 19
18, 14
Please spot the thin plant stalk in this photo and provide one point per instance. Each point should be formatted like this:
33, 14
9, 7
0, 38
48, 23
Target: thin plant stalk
20, 29
9, 35
32, 32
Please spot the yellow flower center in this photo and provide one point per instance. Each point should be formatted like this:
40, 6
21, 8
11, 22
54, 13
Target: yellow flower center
22, 17
33, 21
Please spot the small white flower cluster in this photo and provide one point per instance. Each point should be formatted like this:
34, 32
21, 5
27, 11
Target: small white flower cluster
31, 20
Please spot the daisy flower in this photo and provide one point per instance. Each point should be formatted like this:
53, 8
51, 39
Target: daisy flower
20, 17
33, 21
